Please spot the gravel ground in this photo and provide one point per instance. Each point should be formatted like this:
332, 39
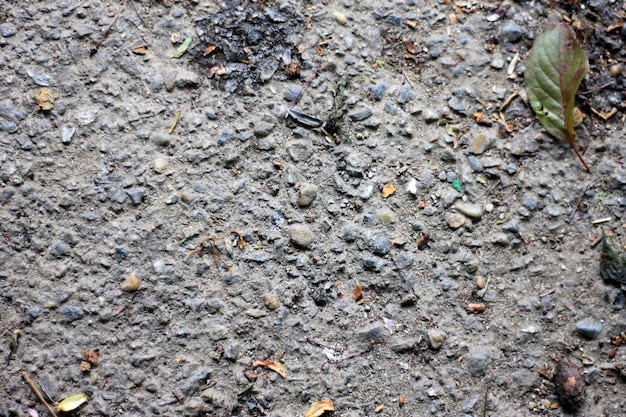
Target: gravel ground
427, 252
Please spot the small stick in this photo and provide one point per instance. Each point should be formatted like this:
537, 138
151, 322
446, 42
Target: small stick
601, 87
94, 50
306, 85
37, 393
139, 16
316, 343
580, 200
508, 100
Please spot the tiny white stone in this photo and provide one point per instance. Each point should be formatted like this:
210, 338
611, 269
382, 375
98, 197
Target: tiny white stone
411, 187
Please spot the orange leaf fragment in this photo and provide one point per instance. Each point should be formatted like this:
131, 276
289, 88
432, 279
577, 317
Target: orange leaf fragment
388, 190
320, 50
139, 50
320, 407
357, 294
208, 50
409, 46
274, 366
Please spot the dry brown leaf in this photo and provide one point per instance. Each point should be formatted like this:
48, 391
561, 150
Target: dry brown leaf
357, 294
475, 308
274, 366
401, 400
453, 19
388, 190
85, 366
139, 50
44, 99
320, 407
409, 46
208, 50
216, 71
320, 50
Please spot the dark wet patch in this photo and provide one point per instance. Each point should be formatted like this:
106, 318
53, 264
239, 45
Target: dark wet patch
253, 43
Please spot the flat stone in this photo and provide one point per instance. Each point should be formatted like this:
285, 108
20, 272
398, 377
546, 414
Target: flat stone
361, 114
481, 143
71, 313
373, 333
404, 345
301, 235
263, 129
160, 139
474, 211
457, 104
511, 32
187, 79
373, 264
67, 133
405, 95
7, 30
136, 194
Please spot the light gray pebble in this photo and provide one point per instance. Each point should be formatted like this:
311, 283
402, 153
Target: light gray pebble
300, 151
529, 202
366, 191
105, 314
404, 345
210, 114
39, 78
497, 62
525, 142
67, 133
292, 93
391, 108
457, 104
59, 248
481, 143
474, 164
7, 30
160, 138
589, 329
472, 210
307, 194
301, 235
267, 143
431, 116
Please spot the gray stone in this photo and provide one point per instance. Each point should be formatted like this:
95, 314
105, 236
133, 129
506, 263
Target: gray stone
361, 114
225, 137
373, 333
529, 201
136, 194
457, 104
187, 79
511, 226
404, 345
378, 90
300, 151
307, 194
7, 30
210, 114
436, 46
477, 360
301, 235
391, 109
71, 313
263, 129
160, 139
431, 116
589, 329
525, 142
292, 93
455, 220
41, 79
405, 95
59, 248
511, 32
267, 143
373, 264
381, 246
497, 62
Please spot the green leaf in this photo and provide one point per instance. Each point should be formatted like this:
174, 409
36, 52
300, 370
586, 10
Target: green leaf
555, 68
182, 48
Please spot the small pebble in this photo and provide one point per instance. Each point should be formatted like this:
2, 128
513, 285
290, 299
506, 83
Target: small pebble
477, 361
160, 164
436, 338
474, 211
136, 194
382, 246
589, 329
378, 90
455, 220
307, 194
71, 314
340, 18
59, 248
301, 235
361, 114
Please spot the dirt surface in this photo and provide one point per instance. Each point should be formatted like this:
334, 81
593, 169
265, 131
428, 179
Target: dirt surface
374, 213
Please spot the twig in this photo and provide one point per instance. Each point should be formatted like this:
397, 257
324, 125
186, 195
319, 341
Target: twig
37, 393
485, 400
316, 343
580, 200
139, 16
306, 85
601, 87
94, 50
126, 308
